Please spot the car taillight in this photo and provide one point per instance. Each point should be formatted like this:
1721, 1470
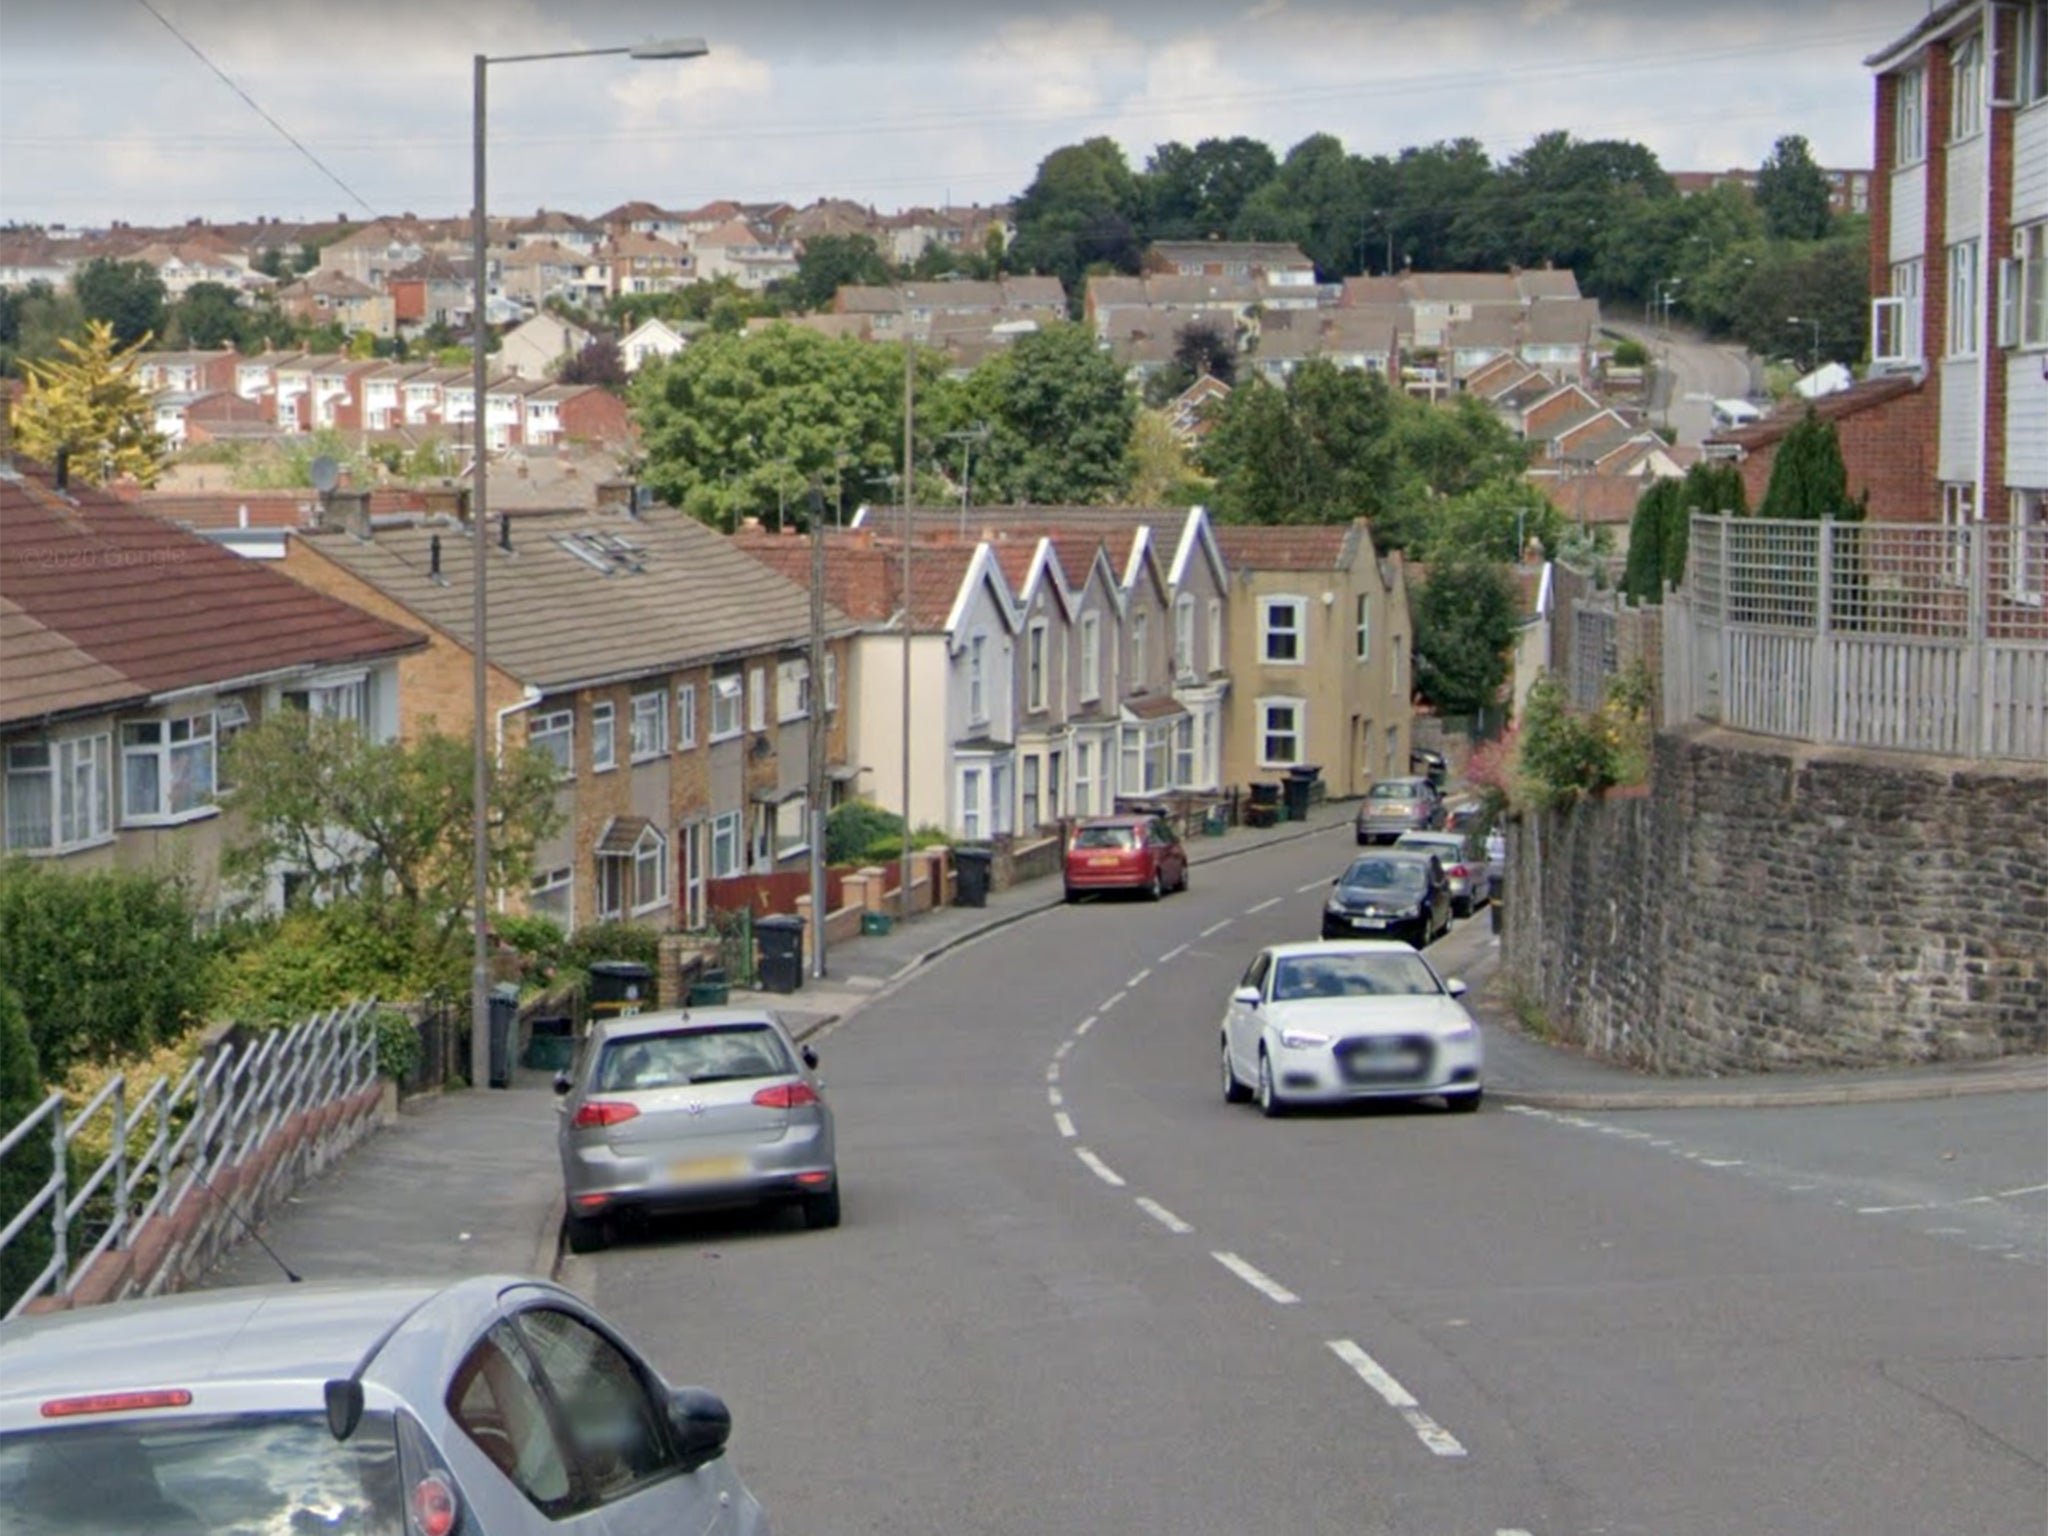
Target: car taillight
116, 1402
598, 1112
435, 1509
1457, 871
786, 1096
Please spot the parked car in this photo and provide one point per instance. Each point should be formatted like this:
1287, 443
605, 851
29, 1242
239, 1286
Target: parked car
1463, 813
1395, 893
490, 1404
1394, 806
1470, 874
1354, 1019
693, 1110
1126, 853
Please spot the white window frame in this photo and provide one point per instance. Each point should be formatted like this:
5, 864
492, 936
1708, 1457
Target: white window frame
1184, 635
544, 732
604, 736
730, 859
1141, 624
167, 753
541, 891
970, 802
1091, 657
1032, 815
686, 715
1186, 766
1963, 277
1909, 118
1295, 731
693, 875
1296, 631
1036, 665
1216, 652
1362, 629
2030, 75
2030, 245
1082, 787
642, 877
1966, 89
977, 678
790, 844
649, 726
1958, 517
727, 705
757, 699
792, 690
77, 769
335, 697
2026, 577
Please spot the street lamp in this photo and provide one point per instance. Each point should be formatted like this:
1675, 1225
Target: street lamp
1814, 361
976, 434
480, 822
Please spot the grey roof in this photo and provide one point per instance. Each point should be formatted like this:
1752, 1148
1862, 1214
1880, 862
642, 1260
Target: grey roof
1548, 283
584, 598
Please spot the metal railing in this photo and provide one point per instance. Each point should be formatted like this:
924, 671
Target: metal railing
1909, 637
172, 1139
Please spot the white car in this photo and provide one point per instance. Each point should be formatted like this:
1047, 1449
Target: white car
1347, 1019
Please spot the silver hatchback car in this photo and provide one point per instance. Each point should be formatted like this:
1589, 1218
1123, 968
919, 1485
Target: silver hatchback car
493, 1405
693, 1110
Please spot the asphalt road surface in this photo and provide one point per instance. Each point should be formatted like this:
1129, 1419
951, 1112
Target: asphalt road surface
1692, 375
1076, 1292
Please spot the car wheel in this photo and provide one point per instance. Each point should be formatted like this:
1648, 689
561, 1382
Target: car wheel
1234, 1092
1464, 1103
1072, 894
1154, 888
821, 1212
1462, 909
1183, 886
587, 1234
1271, 1105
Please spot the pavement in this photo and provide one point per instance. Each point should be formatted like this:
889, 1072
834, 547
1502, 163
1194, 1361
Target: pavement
463, 1182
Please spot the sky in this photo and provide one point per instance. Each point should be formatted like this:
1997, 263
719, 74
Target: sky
117, 109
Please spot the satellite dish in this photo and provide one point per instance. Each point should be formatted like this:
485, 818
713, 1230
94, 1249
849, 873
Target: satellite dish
326, 474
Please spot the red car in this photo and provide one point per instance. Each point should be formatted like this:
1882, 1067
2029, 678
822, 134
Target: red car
1126, 853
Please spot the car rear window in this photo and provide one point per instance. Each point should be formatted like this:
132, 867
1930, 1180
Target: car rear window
1105, 837
1383, 975
214, 1475
710, 1055
1384, 874
1392, 792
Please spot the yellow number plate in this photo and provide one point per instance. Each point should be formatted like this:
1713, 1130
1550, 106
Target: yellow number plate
708, 1170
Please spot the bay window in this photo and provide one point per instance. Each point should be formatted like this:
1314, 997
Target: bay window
166, 768
59, 794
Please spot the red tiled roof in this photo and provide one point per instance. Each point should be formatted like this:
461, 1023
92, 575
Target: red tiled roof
864, 580
1598, 499
130, 596
1307, 547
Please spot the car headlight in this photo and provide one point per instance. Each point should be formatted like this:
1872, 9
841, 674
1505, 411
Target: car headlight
1335, 904
1302, 1039
1464, 1031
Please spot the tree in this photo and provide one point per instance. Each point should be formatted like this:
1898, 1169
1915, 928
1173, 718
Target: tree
1792, 192
830, 262
1317, 450
1550, 201
1316, 200
89, 406
1161, 474
598, 362
1197, 194
1465, 617
1060, 414
127, 295
1808, 478
1660, 534
1204, 346
1828, 282
208, 315
383, 823
1492, 521
1563, 753
1080, 212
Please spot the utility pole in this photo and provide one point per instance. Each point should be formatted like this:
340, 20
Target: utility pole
909, 476
816, 786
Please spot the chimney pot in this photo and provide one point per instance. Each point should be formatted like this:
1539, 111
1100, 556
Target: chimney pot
505, 532
434, 557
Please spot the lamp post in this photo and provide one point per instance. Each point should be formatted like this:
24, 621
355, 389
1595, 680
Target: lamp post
480, 821
976, 434
1814, 360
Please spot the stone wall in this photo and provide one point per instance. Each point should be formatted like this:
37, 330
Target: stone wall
1772, 905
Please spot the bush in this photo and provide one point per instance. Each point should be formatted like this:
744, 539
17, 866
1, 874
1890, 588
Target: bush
1631, 354
854, 828
102, 964
398, 1044
884, 850
27, 1168
1564, 753
539, 943
279, 970
612, 941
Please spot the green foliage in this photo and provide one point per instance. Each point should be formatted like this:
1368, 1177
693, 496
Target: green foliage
1465, 619
612, 941
1197, 194
398, 1044
1060, 415
1661, 531
206, 316
855, 826
1631, 354
1079, 214
889, 847
1808, 478
27, 1168
278, 970
126, 295
88, 403
1493, 522
1792, 192
830, 262
33, 321
1316, 199
1564, 753
103, 962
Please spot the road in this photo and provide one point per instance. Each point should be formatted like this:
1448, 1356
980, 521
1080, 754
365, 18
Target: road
1692, 374
1075, 1291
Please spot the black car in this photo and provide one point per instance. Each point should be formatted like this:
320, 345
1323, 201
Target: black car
1393, 893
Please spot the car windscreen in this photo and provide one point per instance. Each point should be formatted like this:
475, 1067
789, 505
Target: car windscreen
214, 1475
675, 1060
1384, 875
1105, 837
1365, 975
1393, 790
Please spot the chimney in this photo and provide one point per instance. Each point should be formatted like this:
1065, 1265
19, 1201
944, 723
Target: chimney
61, 470
446, 501
505, 532
351, 508
616, 496
434, 558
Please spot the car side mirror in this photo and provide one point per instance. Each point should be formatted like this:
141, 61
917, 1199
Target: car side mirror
562, 1083
1248, 996
1455, 987
810, 1058
701, 1423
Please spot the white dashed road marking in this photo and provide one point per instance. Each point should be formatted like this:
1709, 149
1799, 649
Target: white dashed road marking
1064, 1047
1084, 1026
1213, 929
1052, 1073
1112, 1000
1313, 885
1257, 1279
1135, 980
1261, 907
1173, 954
1065, 1122
1432, 1434
1163, 1216
1054, 1097
1099, 1168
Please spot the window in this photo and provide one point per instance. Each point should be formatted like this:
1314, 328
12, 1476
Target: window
1184, 635
1216, 634
792, 690
339, 699
970, 803
757, 699
1909, 121
725, 845
793, 827
1084, 778
1034, 665
1962, 299
604, 736
977, 686
634, 883
1031, 808
725, 707
650, 725
1053, 763
1895, 321
230, 718
2027, 548
1138, 638
693, 877
686, 715
2032, 78
555, 734
498, 1403
1279, 732
1184, 752
552, 895
1091, 657
606, 1412
1966, 89
2031, 243
166, 768
58, 794
1958, 513
1147, 758
831, 680
1280, 625
1363, 628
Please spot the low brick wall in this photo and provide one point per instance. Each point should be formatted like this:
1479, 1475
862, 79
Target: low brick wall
1770, 905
